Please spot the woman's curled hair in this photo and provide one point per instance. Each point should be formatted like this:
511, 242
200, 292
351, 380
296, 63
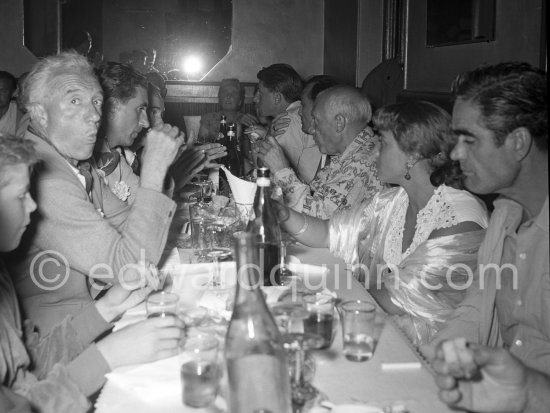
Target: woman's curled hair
423, 129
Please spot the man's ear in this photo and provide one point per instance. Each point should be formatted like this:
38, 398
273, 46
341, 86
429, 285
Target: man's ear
340, 122
113, 105
520, 142
39, 115
277, 97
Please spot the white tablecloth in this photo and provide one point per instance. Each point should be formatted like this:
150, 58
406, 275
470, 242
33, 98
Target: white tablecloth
380, 381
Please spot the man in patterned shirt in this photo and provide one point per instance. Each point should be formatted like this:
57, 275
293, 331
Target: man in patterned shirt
340, 117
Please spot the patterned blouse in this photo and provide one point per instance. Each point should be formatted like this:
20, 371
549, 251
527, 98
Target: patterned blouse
347, 179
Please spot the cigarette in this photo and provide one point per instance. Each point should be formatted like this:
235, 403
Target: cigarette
415, 365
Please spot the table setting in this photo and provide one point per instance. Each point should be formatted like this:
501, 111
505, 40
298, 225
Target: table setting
342, 353
394, 378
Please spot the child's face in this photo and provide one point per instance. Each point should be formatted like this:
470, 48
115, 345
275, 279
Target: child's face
16, 206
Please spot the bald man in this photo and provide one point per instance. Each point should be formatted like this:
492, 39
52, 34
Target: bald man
340, 128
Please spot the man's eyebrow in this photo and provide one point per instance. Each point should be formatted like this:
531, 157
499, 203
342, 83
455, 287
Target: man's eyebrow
460, 131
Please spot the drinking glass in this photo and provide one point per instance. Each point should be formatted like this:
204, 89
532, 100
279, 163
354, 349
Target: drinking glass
162, 304
206, 189
200, 370
359, 329
290, 316
202, 215
287, 276
321, 317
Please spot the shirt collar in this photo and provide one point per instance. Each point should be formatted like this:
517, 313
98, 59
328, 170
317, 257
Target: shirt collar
542, 219
294, 105
363, 138
514, 211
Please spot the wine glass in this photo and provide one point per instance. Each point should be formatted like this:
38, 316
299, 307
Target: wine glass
297, 345
287, 276
290, 316
215, 255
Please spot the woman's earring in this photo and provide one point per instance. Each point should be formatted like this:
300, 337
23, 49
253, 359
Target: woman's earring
410, 163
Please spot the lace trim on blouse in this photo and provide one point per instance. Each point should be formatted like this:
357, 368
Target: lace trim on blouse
437, 214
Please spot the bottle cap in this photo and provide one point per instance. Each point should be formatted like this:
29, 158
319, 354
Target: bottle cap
263, 172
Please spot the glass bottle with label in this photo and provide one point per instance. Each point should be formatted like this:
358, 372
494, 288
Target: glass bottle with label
264, 225
256, 361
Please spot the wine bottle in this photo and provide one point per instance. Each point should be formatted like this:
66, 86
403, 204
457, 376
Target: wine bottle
233, 161
266, 228
222, 135
256, 361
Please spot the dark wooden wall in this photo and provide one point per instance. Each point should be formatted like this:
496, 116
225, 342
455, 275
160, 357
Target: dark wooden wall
340, 50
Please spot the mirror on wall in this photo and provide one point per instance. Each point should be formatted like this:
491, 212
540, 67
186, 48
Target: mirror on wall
184, 38
452, 22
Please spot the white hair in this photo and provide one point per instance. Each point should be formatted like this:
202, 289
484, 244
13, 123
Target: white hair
37, 88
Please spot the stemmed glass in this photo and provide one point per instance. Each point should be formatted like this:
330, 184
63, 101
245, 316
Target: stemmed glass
288, 315
287, 276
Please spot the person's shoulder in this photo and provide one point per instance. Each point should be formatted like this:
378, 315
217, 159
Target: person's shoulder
459, 196
293, 111
466, 205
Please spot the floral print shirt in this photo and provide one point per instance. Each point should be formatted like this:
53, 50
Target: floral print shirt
347, 179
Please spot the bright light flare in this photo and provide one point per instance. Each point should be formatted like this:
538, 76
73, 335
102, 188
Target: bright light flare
192, 65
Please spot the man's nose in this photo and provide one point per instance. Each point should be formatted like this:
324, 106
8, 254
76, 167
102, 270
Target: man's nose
458, 151
143, 121
95, 113
30, 204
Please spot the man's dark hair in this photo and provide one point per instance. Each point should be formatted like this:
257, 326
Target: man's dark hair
320, 83
509, 95
119, 81
10, 78
282, 78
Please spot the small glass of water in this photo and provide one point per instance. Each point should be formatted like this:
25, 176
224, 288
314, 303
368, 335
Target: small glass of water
162, 304
200, 370
359, 329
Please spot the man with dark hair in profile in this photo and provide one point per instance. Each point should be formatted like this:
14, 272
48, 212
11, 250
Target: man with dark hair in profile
279, 90
338, 120
500, 118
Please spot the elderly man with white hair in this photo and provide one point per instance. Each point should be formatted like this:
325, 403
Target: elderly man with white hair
340, 129
77, 238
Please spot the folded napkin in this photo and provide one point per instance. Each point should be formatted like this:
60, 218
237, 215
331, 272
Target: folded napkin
243, 191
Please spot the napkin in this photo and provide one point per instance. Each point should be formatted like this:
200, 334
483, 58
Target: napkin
150, 387
190, 282
243, 191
